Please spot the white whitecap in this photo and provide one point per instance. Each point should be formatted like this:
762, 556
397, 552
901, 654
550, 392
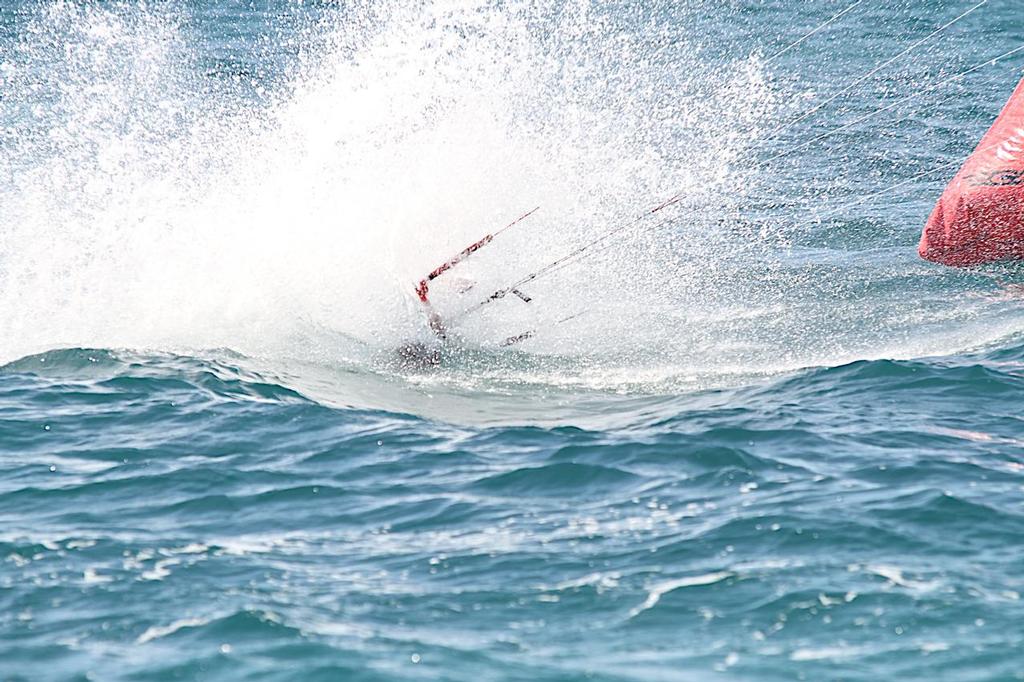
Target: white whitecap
657, 591
158, 631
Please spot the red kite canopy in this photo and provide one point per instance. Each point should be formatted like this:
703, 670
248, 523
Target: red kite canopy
980, 216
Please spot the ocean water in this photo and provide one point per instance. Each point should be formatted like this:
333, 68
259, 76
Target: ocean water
770, 444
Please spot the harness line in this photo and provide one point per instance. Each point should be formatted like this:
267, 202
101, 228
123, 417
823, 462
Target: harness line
573, 255
423, 287
819, 29
896, 103
786, 126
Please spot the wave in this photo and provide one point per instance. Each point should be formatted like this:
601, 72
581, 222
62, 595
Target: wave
503, 393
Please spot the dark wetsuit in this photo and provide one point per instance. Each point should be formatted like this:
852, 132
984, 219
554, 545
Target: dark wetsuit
417, 355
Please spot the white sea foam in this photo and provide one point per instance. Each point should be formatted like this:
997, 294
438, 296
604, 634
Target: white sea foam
659, 590
841, 652
158, 631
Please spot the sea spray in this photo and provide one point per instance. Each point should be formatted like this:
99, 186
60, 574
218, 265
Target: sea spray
154, 203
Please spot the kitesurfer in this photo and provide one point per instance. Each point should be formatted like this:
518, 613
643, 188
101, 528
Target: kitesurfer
418, 355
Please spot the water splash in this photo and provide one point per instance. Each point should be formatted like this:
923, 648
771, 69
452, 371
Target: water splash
153, 201
150, 206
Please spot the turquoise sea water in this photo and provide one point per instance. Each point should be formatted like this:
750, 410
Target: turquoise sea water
775, 445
